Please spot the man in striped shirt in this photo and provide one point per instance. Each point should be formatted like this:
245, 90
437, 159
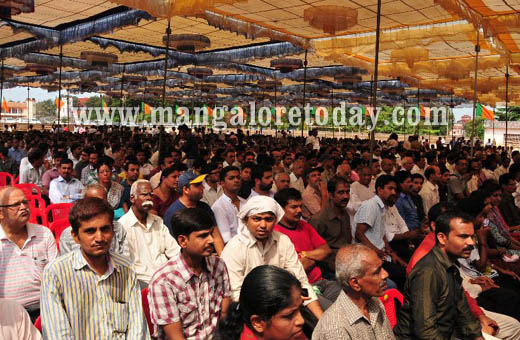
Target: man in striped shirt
191, 292
90, 294
25, 250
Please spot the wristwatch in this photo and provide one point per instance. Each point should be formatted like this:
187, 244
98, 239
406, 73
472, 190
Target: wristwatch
303, 254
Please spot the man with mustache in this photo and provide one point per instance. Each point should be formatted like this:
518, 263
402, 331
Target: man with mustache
369, 228
262, 176
25, 250
148, 240
315, 196
312, 249
357, 313
435, 306
89, 293
191, 292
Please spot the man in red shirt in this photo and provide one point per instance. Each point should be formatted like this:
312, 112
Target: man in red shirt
312, 249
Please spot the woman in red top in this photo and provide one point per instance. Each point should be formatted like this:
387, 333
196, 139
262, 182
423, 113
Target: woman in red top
268, 308
166, 193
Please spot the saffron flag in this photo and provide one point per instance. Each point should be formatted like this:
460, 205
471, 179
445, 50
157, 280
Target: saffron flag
179, 111
210, 110
59, 103
425, 111
104, 105
366, 110
147, 109
4, 105
483, 112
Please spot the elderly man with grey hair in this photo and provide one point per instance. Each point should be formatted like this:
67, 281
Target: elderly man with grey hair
357, 312
148, 240
67, 243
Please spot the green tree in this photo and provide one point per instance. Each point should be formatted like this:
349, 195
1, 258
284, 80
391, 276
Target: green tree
479, 128
46, 108
513, 113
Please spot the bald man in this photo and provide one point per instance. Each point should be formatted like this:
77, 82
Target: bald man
67, 243
25, 250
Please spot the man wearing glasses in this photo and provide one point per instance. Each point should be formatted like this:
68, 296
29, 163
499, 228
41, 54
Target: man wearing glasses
25, 250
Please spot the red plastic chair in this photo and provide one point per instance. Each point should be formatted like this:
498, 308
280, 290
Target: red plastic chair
29, 189
6, 179
38, 212
388, 301
38, 324
57, 228
58, 211
146, 309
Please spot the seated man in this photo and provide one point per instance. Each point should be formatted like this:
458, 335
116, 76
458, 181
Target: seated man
257, 244
25, 250
435, 306
65, 188
315, 196
15, 322
191, 292
148, 241
312, 249
67, 243
90, 293
52, 173
360, 272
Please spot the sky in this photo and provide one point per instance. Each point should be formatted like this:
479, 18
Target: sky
20, 94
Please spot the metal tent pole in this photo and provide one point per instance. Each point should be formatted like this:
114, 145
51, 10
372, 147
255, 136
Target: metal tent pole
304, 87
374, 88
477, 50
507, 104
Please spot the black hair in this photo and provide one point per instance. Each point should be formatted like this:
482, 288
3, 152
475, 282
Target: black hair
285, 195
105, 160
514, 169
66, 161
248, 165
436, 210
505, 178
416, 175
34, 155
130, 160
87, 208
224, 172
266, 291
163, 156
488, 188
401, 176
258, 171
383, 180
168, 171
186, 221
472, 205
208, 168
442, 223
333, 183
4, 151
429, 171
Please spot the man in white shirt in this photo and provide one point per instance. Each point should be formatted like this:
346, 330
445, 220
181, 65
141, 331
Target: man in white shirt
147, 239
407, 164
430, 189
33, 172
228, 205
257, 244
212, 189
298, 170
65, 188
360, 191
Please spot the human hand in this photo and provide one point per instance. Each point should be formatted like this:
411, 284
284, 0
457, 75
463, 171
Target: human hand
489, 326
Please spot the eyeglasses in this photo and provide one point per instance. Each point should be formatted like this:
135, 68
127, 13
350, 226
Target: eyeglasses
16, 205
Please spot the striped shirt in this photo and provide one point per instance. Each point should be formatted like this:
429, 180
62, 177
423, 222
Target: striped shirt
78, 304
21, 269
177, 294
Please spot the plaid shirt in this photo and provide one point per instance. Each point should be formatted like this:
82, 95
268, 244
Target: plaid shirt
177, 294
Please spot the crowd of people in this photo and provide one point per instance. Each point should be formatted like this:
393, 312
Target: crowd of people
190, 234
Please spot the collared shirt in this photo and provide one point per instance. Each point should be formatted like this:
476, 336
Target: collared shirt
297, 183
150, 245
32, 175
334, 229
456, 185
408, 211
79, 304
15, 322
61, 191
358, 194
67, 243
244, 252
430, 195
16, 154
21, 269
371, 213
211, 195
88, 175
176, 206
394, 223
177, 294
49, 175
311, 200
254, 193
344, 320
226, 216
434, 303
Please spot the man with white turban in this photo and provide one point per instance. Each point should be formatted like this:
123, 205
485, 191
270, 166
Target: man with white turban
256, 244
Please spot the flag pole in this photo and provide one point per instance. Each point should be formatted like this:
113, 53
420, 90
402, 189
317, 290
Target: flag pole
507, 104
168, 33
59, 98
304, 87
477, 50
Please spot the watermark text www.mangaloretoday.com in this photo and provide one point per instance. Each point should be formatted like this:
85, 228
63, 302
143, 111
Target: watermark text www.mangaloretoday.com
222, 117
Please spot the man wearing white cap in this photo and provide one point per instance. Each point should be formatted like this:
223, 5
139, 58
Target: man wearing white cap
257, 244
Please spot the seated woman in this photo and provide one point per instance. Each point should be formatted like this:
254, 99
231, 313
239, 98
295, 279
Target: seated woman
268, 308
114, 189
166, 193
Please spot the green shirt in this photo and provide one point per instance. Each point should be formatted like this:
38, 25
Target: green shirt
434, 303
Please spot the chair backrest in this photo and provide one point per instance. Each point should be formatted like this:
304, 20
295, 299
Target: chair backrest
38, 212
57, 228
58, 211
29, 189
5, 179
388, 300
146, 309
38, 324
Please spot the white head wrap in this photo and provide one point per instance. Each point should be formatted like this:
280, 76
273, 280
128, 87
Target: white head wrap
257, 205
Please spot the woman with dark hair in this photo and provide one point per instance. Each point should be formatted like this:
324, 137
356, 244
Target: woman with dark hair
166, 193
105, 178
268, 308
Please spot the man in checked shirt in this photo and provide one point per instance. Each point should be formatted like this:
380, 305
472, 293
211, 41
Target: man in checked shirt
191, 292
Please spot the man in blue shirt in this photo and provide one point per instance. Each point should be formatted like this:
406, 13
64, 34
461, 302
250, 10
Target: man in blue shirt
15, 153
405, 204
